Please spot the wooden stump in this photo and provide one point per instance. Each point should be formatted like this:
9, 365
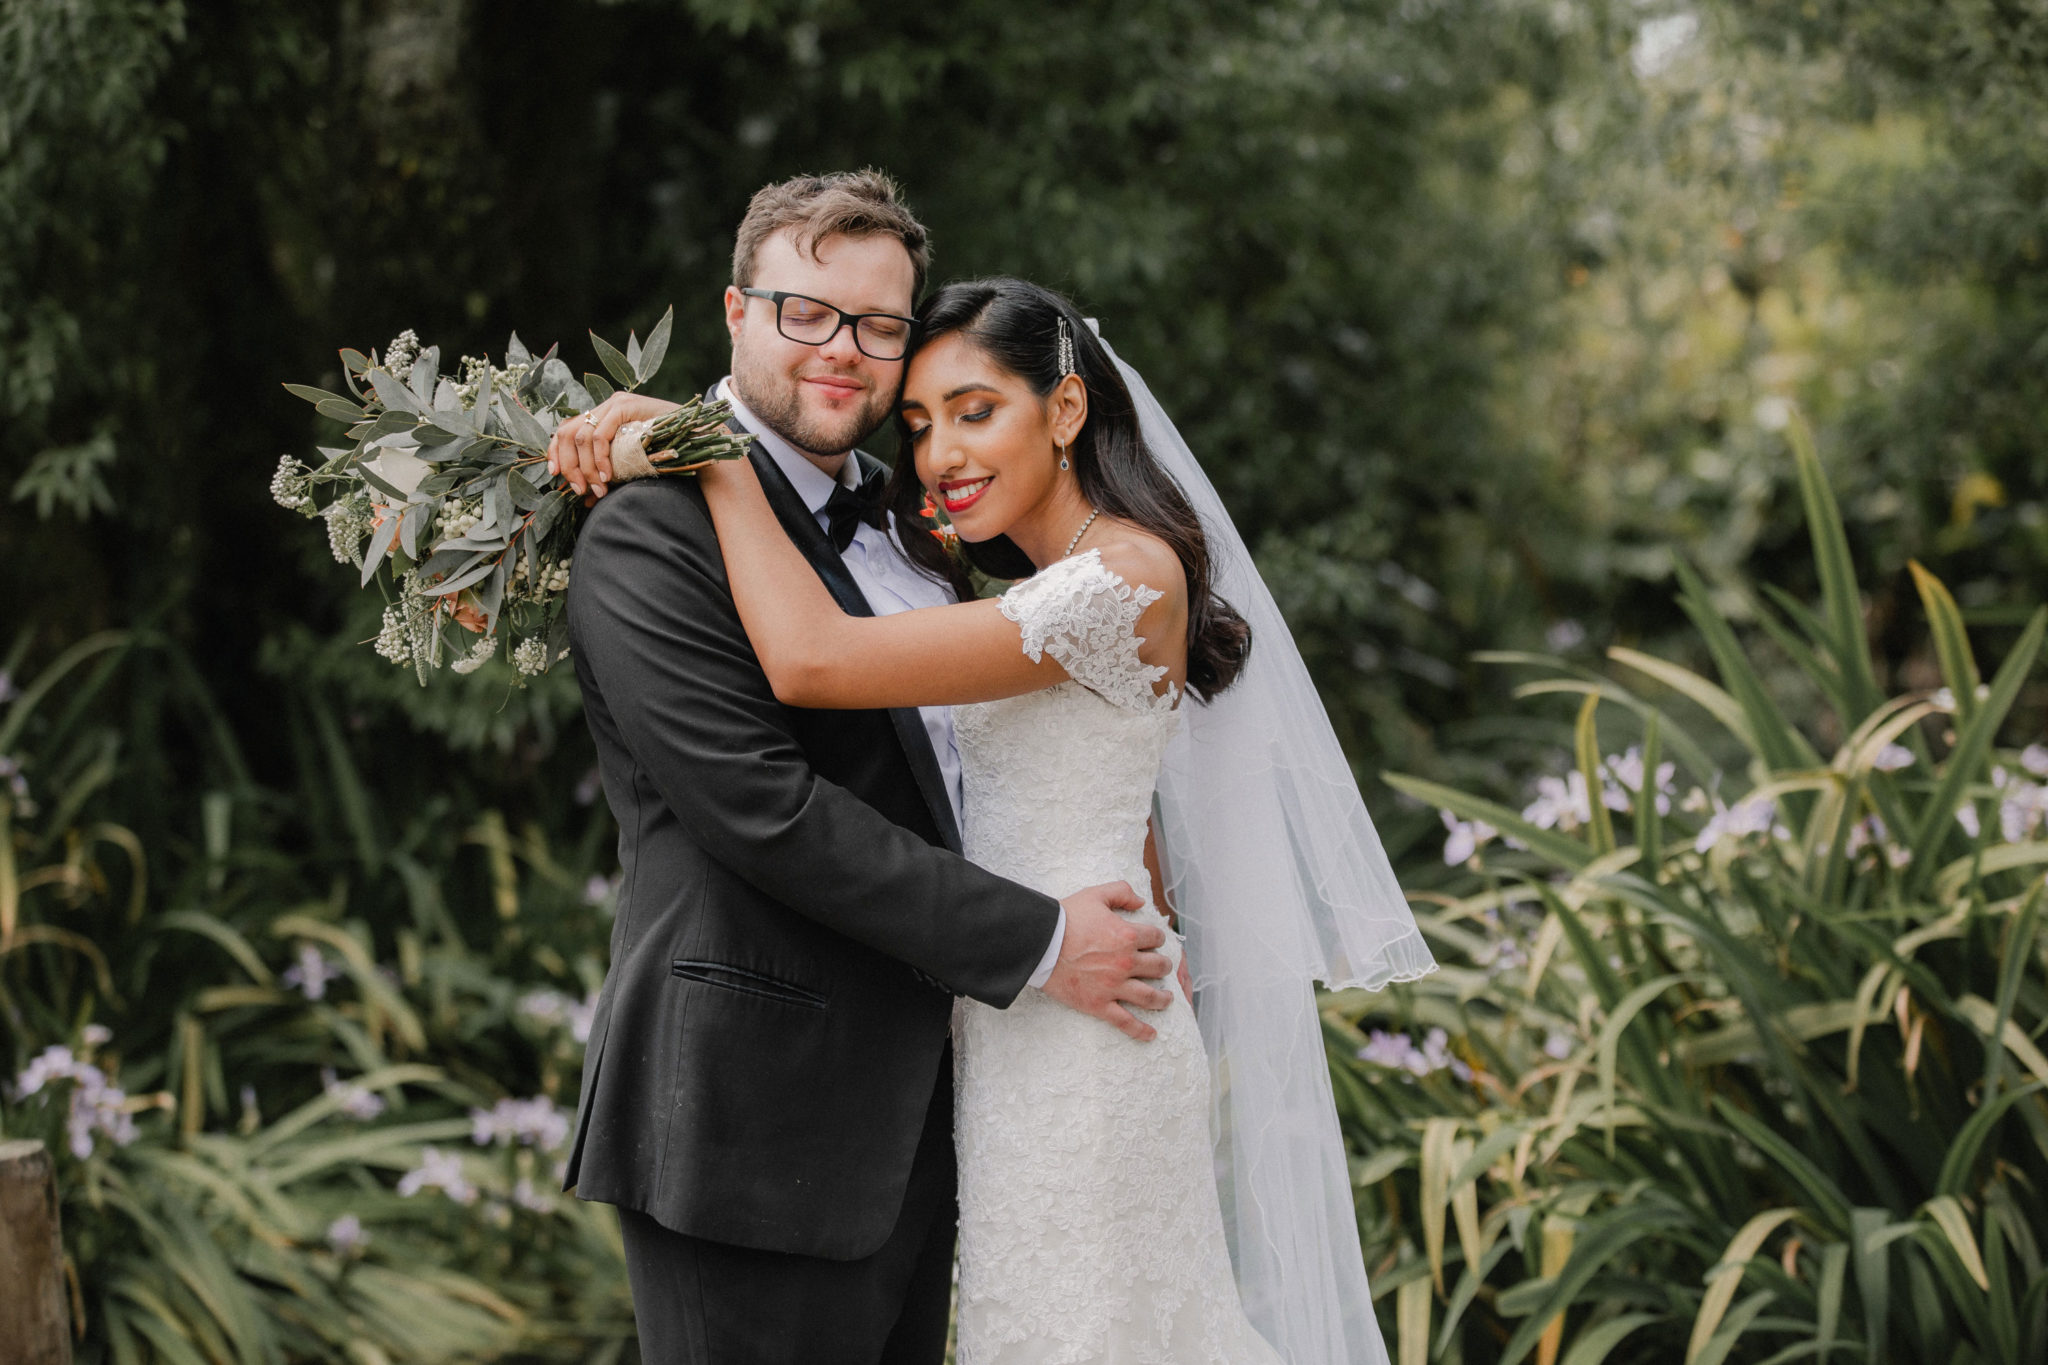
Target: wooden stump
34, 1327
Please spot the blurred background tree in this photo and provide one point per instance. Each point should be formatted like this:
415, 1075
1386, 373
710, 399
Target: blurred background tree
1479, 311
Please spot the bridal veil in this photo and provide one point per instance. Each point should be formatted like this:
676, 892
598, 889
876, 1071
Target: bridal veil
1279, 881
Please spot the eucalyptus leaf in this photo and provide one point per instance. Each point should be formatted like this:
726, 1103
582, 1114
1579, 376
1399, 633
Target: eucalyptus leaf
555, 380
313, 395
524, 495
393, 394
460, 581
648, 363
494, 591
498, 507
340, 409
550, 512
449, 559
415, 520
516, 352
425, 371
598, 388
354, 361
376, 481
621, 369
522, 425
633, 352
475, 542
380, 544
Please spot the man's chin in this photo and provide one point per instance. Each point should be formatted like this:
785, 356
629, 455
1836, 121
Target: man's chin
833, 433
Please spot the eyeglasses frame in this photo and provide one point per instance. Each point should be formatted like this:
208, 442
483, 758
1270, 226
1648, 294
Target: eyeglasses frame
846, 319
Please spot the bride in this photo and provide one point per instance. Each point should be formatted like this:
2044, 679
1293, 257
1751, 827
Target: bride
1184, 1200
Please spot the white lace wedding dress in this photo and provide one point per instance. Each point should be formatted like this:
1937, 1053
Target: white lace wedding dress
1090, 1230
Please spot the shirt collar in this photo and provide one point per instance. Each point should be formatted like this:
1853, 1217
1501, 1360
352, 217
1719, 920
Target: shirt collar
812, 484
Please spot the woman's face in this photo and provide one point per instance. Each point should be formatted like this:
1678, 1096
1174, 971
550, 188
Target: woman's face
984, 443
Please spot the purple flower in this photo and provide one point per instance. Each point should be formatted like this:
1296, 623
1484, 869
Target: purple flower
535, 1122
357, 1102
346, 1235
556, 1010
2023, 810
1751, 815
1464, 841
441, 1171
1398, 1052
96, 1106
311, 973
1625, 771
1560, 803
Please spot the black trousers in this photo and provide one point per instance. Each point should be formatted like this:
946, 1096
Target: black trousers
706, 1303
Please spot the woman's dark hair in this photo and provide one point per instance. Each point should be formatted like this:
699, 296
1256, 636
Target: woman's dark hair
1016, 324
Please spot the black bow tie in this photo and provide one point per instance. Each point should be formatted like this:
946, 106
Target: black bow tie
849, 506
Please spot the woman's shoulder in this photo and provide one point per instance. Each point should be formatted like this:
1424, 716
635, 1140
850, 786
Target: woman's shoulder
1143, 560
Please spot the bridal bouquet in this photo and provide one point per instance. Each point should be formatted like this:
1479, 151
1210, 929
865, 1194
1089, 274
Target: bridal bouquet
444, 496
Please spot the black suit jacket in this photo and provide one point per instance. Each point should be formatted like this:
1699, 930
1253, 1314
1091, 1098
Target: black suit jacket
771, 1027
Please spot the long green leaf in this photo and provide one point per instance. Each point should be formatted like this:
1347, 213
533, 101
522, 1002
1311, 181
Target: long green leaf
1841, 599
1951, 641
1966, 762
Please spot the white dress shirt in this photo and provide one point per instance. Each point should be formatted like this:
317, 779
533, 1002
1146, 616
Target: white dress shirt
890, 583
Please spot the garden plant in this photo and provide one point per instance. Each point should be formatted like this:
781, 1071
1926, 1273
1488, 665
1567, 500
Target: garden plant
1736, 1050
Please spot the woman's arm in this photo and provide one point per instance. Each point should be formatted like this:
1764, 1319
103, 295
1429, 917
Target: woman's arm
816, 655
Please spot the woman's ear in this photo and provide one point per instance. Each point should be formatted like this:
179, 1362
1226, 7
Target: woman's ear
1067, 406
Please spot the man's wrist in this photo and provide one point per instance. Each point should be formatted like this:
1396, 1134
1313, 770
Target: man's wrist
1052, 953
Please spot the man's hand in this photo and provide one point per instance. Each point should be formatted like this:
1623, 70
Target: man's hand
581, 448
1107, 964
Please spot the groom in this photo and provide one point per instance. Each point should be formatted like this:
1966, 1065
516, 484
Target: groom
767, 1095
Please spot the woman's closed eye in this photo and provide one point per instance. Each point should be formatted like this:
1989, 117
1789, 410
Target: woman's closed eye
978, 415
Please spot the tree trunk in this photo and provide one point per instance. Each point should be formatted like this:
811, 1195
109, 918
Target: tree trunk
34, 1328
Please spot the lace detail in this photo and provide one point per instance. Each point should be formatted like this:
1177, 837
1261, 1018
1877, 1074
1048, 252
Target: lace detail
1081, 612
1090, 1228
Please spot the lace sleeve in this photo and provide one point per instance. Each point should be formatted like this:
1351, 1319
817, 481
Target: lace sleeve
1086, 616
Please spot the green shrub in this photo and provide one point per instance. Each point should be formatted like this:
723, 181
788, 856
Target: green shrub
297, 1114
1710, 1077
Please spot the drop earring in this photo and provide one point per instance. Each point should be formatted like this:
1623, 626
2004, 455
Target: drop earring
1063, 459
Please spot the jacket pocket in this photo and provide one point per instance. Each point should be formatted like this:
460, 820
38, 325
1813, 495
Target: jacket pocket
745, 982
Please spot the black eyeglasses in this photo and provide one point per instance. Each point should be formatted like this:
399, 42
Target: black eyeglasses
813, 322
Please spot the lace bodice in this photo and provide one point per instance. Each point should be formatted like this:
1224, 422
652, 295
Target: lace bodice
1057, 784
1090, 1229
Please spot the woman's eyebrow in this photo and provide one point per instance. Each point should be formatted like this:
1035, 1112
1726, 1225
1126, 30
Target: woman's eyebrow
967, 388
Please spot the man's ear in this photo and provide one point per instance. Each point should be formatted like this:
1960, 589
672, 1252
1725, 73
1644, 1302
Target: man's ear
735, 311
1068, 407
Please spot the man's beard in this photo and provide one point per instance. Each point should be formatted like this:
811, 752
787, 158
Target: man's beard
776, 398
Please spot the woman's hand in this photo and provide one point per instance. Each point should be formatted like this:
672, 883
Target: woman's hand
581, 448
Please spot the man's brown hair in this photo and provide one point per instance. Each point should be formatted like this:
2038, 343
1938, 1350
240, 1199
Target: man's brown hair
862, 203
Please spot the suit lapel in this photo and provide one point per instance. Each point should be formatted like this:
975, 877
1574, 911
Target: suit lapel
803, 530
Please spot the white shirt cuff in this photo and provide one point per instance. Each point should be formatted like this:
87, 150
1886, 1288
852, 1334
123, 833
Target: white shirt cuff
1052, 952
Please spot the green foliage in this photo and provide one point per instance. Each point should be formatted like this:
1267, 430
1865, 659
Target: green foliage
294, 1014
1759, 1082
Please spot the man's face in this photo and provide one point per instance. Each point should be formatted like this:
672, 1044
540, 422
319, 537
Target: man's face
821, 399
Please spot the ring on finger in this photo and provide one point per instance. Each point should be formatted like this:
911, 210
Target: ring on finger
589, 420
